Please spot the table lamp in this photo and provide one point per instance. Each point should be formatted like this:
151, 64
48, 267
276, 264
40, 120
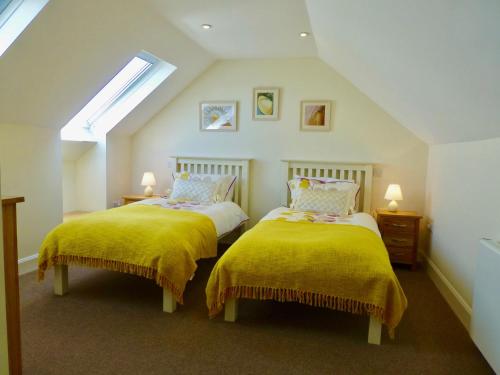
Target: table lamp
148, 180
393, 194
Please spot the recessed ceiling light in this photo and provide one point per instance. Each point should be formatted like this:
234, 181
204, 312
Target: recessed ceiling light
206, 26
304, 34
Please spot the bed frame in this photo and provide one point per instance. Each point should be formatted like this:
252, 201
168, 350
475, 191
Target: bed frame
218, 166
362, 174
204, 165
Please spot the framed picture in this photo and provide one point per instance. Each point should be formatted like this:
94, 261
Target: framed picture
218, 116
266, 103
315, 115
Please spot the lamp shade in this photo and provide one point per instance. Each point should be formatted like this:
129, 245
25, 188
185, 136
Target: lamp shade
148, 179
393, 193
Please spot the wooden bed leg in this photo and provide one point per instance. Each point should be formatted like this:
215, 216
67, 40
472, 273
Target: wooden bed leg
231, 310
169, 302
374, 331
60, 279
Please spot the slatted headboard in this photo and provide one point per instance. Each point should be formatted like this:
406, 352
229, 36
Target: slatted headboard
218, 166
362, 174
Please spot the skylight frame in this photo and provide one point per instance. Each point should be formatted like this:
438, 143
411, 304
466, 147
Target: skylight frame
132, 83
15, 18
9, 11
111, 104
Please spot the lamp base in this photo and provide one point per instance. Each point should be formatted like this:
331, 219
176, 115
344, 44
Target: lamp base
148, 192
393, 206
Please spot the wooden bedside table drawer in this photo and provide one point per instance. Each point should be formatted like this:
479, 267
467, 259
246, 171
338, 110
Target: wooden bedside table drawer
400, 254
398, 225
400, 232
398, 240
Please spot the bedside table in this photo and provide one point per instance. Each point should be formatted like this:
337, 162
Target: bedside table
127, 199
400, 232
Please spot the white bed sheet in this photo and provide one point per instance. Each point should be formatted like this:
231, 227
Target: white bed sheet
226, 216
362, 219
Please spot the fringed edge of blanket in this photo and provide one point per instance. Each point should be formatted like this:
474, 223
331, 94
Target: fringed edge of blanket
113, 265
307, 298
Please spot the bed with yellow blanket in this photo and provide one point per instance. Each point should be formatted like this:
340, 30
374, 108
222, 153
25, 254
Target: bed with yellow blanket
340, 266
146, 240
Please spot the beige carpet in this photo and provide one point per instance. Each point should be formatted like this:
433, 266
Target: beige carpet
112, 323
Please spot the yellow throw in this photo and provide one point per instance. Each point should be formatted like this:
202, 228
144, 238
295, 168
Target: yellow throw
150, 241
341, 267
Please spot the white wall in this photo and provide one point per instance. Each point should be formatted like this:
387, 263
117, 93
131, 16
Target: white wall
91, 178
97, 177
31, 167
362, 132
69, 186
118, 167
464, 205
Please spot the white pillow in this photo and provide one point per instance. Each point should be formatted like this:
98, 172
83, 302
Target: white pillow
194, 190
230, 191
351, 187
225, 184
325, 201
323, 183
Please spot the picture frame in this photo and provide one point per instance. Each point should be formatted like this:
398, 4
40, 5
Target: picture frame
315, 115
218, 116
266, 104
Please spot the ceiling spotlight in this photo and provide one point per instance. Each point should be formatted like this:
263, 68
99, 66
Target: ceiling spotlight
206, 26
304, 34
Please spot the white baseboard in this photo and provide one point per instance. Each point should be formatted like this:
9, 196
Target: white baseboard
28, 264
457, 303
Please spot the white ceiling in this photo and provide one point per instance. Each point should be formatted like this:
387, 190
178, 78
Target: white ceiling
73, 48
433, 65
242, 28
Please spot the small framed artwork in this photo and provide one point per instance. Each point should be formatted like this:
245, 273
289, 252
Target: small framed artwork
315, 115
218, 116
266, 103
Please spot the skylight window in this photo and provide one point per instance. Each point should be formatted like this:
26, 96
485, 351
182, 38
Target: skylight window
118, 97
15, 16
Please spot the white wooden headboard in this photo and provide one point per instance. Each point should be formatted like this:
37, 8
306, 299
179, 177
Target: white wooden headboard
361, 173
218, 166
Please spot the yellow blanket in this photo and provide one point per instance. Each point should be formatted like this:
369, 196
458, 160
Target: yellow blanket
341, 267
149, 241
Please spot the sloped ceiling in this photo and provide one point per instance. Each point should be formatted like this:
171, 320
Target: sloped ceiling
73, 48
243, 29
433, 65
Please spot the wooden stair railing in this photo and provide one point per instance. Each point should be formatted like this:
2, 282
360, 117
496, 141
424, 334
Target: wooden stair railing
12, 283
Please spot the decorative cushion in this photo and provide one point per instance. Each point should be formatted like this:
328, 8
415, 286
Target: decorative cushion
225, 184
323, 183
194, 190
325, 201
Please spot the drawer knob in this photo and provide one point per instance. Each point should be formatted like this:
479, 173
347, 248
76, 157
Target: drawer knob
398, 240
399, 225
